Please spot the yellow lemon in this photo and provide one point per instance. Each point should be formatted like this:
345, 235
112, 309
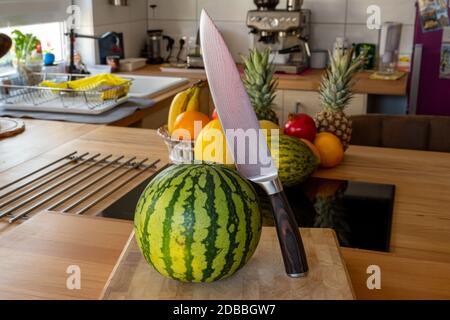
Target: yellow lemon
268, 126
211, 145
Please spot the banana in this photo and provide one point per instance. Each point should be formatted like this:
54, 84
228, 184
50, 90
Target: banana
194, 101
178, 106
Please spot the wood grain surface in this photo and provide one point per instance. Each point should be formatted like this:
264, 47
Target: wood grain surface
308, 81
421, 219
262, 278
401, 278
35, 256
40, 137
291, 243
417, 267
105, 140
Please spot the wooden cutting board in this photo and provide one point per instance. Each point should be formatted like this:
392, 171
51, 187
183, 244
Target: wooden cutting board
11, 127
262, 278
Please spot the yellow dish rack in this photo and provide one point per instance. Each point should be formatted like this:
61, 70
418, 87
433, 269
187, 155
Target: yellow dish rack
66, 93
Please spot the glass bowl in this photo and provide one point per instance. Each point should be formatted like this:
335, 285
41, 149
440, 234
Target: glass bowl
180, 151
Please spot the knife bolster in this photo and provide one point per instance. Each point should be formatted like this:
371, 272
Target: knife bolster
272, 186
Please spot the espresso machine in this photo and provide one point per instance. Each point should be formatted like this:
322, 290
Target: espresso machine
285, 31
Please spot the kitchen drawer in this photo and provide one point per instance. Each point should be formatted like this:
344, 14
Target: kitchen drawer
308, 102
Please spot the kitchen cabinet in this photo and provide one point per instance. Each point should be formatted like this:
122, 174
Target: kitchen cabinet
296, 101
294, 90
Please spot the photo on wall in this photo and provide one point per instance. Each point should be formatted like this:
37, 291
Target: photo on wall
433, 14
444, 72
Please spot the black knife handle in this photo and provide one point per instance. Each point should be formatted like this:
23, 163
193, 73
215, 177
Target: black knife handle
291, 244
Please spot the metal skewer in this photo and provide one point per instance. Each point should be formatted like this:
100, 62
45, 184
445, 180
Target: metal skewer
90, 184
20, 205
41, 176
53, 196
104, 185
45, 181
38, 170
118, 187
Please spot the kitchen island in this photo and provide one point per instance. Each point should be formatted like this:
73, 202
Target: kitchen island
309, 80
296, 93
298, 88
417, 266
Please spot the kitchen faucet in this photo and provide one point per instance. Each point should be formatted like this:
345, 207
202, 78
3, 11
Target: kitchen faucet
73, 35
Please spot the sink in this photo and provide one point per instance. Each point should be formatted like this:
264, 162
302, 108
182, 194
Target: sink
146, 86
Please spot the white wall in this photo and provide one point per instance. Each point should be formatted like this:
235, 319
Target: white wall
330, 19
98, 17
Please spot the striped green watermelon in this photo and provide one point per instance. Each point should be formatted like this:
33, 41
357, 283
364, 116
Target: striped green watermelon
294, 159
198, 223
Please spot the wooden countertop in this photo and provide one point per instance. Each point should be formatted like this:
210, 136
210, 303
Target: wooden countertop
35, 257
420, 242
308, 81
37, 147
418, 265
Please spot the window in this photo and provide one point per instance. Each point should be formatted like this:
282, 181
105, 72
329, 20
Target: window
51, 36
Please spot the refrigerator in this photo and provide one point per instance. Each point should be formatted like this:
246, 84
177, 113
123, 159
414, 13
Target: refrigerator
428, 93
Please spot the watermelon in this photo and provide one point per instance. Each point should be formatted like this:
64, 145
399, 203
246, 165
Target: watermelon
294, 159
198, 222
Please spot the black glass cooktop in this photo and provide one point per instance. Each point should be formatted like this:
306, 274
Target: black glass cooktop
359, 212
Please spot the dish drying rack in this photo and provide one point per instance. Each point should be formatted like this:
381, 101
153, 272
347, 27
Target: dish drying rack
89, 100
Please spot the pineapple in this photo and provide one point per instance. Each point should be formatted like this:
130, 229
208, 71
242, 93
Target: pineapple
335, 94
260, 84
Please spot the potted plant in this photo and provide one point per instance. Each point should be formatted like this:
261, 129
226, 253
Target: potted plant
28, 56
49, 56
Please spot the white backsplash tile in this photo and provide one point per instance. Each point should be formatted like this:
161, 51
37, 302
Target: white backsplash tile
230, 10
173, 9
323, 36
136, 40
179, 18
138, 10
326, 11
237, 38
403, 11
106, 14
175, 29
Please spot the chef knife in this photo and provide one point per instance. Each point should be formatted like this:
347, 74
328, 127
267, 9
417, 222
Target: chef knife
253, 160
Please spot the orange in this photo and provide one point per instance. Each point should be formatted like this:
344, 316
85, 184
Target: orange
330, 148
211, 145
188, 125
313, 148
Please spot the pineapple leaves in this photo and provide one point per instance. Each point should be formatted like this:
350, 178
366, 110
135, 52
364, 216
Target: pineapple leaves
336, 87
259, 79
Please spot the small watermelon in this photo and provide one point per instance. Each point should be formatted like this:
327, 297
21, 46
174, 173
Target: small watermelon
198, 223
294, 159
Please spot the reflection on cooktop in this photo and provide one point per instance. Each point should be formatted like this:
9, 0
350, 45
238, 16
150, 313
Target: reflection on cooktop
359, 212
